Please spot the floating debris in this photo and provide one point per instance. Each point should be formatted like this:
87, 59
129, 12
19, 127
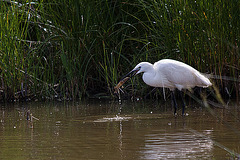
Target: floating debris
117, 118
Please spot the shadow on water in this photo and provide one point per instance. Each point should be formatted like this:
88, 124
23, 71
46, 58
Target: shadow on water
107, 130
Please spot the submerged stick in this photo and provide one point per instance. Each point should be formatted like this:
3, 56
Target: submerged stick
116, 88
30, 117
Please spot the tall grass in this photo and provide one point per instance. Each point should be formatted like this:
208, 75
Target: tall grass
70, 49
13, 25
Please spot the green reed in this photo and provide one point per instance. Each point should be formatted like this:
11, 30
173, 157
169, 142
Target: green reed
69, 49
12, 50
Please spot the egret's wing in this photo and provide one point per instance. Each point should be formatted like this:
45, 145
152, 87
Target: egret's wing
179, 74
175, 74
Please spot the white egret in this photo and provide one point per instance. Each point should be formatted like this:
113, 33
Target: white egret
168, 73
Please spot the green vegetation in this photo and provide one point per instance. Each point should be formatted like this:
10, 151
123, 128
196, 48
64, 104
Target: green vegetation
70, 49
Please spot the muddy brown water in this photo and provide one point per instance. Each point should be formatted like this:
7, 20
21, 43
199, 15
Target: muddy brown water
108, 130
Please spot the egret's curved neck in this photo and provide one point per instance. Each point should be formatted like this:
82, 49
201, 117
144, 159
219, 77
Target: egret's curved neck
149, 76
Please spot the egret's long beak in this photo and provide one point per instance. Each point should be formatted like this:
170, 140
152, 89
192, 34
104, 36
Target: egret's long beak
131, 73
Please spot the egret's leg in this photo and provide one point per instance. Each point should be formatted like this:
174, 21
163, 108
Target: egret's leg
183, 103
174, 103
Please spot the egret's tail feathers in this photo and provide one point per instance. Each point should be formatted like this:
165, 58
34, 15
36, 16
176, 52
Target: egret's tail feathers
207, 83
203, 81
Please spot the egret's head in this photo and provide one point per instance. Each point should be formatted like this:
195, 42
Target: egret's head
141, 67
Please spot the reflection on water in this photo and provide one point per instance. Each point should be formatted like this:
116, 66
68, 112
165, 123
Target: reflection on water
100, 131
186, 145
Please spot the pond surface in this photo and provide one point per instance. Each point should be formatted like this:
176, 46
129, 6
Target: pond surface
108, 130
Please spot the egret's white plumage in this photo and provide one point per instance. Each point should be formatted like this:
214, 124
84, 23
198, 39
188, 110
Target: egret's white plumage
171, 74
